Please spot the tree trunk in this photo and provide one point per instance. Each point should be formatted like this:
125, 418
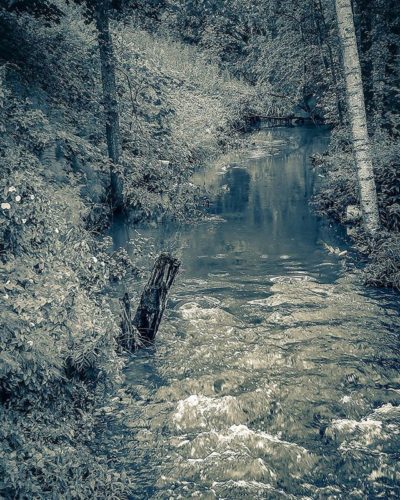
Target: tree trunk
142, 329
129, 337
110, 99
357, 116
154, 297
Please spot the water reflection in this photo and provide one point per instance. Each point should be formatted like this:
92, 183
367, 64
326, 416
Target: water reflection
236, 198
264, 202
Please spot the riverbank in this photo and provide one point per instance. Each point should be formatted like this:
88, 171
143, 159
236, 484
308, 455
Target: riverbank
338, 200
60, 359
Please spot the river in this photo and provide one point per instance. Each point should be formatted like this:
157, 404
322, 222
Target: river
275, 373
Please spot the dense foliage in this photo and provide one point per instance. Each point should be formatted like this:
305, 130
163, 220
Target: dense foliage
60, 360
287, 48
57, 335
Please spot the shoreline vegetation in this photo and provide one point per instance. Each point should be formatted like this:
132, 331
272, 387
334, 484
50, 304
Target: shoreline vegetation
338, 199
183, 97
59, 335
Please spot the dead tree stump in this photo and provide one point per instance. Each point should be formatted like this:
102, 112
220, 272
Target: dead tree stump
142, 329
129, 337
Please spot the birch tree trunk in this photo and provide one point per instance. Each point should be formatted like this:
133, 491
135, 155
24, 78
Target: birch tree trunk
110, 99
357, 116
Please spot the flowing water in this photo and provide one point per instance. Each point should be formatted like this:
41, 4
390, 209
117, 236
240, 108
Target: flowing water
275, 375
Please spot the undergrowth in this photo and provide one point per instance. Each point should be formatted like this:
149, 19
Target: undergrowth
60, 361
339, 191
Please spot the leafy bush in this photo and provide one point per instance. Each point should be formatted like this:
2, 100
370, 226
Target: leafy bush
50, 457
340, 189
384, 266
387, 176
58, 337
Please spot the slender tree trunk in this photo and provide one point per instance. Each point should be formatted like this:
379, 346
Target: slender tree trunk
357, 116
110, 99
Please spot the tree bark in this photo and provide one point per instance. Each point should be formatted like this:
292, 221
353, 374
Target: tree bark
154, 297
357, 116
142, 329
129, 338
110, 99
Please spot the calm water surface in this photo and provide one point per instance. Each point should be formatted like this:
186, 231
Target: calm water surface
275, 375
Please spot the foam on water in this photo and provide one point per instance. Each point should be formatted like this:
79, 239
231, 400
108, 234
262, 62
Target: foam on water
238, 459
199, 412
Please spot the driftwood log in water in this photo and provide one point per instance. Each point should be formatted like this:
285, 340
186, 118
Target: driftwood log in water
142, 329
252, 122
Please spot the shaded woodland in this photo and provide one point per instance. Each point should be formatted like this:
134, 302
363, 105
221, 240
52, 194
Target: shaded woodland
108, 107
